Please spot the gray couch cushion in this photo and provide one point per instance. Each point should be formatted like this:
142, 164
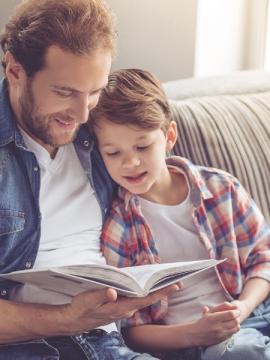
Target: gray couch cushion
231, 133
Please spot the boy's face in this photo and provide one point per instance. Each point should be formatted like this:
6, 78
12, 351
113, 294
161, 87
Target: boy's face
135, 157
52, 105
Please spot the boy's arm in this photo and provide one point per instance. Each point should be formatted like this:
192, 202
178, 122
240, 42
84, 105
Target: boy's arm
252, 235
255, 291
210, 329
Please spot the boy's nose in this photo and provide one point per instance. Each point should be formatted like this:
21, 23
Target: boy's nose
131, 162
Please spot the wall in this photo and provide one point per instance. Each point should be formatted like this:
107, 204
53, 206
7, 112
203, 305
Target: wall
182, 38
220, 37
157, 35
230, 36
5, 8
256, 33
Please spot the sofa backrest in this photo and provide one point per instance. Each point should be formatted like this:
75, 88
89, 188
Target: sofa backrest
230, 132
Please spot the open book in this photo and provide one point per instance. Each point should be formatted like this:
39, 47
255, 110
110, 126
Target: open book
133, 281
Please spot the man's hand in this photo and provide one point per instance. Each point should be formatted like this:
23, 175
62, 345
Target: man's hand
216, 324
92, 309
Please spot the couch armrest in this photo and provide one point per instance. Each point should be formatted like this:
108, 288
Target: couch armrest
240, 82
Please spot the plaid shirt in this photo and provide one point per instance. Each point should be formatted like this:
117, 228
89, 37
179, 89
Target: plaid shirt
228, 222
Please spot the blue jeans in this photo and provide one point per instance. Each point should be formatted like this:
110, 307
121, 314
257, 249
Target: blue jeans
252, 342
94, 345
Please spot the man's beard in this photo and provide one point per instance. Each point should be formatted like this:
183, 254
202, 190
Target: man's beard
37, 125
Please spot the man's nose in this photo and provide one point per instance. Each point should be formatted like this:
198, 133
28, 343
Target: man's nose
82, 107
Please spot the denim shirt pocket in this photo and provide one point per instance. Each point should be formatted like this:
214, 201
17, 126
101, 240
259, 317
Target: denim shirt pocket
11, 221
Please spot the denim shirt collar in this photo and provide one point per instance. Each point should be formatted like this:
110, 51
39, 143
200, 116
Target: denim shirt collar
9, 131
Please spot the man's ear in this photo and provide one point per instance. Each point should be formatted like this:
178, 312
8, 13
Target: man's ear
14, 70
171, 136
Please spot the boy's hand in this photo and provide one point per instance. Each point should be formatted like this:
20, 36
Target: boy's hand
216, 324
243, 307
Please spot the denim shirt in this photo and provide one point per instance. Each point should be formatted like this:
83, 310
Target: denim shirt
20, 217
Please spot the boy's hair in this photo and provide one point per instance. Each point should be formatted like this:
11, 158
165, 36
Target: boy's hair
134, 97
77, 26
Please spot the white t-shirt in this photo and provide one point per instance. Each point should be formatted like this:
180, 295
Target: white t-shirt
71, 219
176, 239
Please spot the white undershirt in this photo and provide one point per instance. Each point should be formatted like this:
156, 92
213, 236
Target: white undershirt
177, 240
71, 219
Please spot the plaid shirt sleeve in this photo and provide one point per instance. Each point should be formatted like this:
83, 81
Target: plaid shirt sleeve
253, 235
241, 235
119, 244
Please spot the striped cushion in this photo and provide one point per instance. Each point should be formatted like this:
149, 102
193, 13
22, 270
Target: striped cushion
231, 132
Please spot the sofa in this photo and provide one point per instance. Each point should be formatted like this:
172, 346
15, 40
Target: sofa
224, 122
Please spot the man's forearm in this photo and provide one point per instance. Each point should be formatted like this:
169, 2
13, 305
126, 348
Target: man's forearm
20, 322
88, 310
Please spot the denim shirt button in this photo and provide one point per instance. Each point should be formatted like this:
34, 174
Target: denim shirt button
86, 143
35, 168
28, 264
3, 292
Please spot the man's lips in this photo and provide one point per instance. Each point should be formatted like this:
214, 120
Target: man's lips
135, 178
64, 123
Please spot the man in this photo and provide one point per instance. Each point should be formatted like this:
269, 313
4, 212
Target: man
54, 190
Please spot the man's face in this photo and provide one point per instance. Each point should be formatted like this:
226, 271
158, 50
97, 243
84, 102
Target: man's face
53, 104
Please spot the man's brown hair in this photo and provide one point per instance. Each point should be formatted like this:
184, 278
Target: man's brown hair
78, 26
134, 97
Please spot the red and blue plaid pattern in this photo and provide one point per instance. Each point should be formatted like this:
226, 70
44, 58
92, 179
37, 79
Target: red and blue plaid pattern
228, 222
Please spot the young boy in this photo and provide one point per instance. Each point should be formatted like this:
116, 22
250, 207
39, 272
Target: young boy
171, 210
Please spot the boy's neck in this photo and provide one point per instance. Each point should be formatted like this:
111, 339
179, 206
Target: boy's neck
174, 190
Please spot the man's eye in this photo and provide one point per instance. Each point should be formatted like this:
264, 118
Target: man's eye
63, 94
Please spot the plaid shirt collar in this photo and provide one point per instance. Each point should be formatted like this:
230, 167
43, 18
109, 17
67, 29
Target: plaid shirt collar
197, 186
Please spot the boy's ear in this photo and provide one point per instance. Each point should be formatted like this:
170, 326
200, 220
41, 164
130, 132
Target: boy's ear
14, 70
171, 136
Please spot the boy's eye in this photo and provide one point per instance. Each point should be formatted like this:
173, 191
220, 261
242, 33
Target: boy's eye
143, 148
114, 153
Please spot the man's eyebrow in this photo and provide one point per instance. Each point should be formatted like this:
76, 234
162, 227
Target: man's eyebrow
68, 88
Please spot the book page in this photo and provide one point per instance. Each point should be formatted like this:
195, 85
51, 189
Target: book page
63, 283
149, 275
110, 275
129, 281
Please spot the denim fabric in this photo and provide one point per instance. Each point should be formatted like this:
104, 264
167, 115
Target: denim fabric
108, 346
97, 346
183, 354
32, 350
260, 318
20, 216
248, 344
252, 342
